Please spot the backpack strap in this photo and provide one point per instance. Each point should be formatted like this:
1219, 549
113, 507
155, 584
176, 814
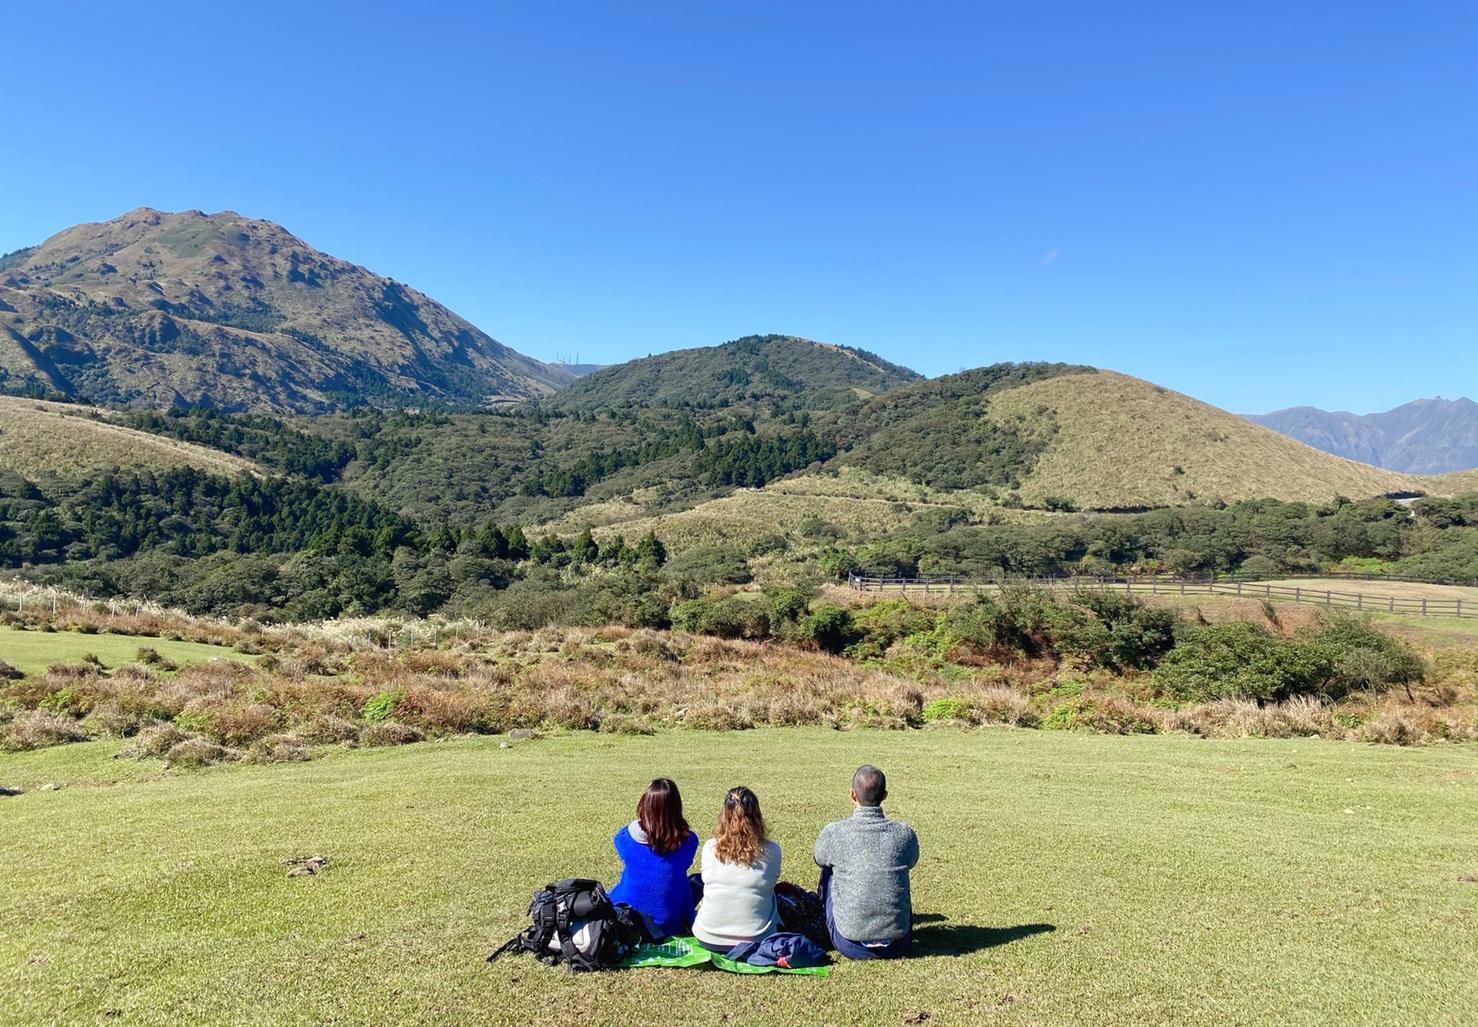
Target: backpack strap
516, 943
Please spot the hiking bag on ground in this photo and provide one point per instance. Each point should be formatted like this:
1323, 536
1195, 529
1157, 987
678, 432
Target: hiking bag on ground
574, 922
801, 912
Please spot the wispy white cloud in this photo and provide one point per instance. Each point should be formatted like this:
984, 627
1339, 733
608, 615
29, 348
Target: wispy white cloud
1050, 257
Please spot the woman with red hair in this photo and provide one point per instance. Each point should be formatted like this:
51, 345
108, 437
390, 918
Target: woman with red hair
656, 850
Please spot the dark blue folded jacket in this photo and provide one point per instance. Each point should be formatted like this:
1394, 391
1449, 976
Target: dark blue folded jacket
783, 949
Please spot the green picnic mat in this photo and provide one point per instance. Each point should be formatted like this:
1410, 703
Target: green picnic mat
669, 952
685, 951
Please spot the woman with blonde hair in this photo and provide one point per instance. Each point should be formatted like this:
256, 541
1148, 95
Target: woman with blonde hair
740, 868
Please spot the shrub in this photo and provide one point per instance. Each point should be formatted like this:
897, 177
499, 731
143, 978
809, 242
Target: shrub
789, 605
1108, 714
39, 729
1240, 661
9, 673
390, 732
1005, 706
154, 741
1259, 566
1120, 632
1018, 622
829, 626
947, 707
717, 715
879, 625
740, 615
987, 706
1391, 728
380, 706
625, 724
112, 719
1363, 658
279, 749
239, 725
327, 729
199, 752
150, 657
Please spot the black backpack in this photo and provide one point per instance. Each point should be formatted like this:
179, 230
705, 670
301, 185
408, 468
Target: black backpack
574, 922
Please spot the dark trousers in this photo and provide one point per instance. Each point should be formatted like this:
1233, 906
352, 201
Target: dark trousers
856, 949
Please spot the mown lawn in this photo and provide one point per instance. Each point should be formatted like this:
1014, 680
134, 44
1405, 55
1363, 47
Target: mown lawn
31, 652
1066, 879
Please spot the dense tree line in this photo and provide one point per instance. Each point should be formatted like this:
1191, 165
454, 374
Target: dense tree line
267, 440
1259, 536
752, 460
187, 512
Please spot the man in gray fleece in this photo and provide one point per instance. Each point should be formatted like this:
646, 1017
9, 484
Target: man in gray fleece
864, 863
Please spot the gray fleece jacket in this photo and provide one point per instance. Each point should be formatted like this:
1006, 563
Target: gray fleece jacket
870, 857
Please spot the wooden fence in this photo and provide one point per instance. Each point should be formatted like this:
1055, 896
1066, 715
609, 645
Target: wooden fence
1162, 585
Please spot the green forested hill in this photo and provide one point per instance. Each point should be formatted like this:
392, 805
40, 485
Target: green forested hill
937, 432
769, 457
780, 370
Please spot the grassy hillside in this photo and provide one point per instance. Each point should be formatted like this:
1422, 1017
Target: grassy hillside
48, 438
158, 309
1066, 879
844, 503
1459, 482
774, 369
1123, 442
31, 652
937, 432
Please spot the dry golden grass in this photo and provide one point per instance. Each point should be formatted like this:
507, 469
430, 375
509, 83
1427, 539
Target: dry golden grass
1123, 442
750, 514
1396, 589
855, 502
37, 436
1458, 482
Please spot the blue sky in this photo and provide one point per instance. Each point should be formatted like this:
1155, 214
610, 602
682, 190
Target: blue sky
1258, 204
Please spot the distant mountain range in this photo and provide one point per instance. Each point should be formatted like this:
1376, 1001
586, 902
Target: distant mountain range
1428, 436
157, 309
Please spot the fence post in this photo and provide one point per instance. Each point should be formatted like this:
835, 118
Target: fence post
1359, 600
1328, 598
1298, 593
1269, 589
1459, 608
1424, 606
1393, 604
1239, 588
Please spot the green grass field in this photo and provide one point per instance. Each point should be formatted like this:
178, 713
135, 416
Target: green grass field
31, 652
1066, 879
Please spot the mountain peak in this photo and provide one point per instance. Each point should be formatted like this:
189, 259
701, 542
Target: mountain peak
164, 308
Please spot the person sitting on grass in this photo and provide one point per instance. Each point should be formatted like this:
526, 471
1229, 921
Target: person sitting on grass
740, 869
656, 850
864, 863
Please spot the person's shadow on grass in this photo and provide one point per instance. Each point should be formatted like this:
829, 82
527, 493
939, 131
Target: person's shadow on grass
933, 935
